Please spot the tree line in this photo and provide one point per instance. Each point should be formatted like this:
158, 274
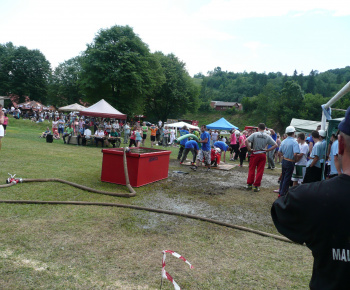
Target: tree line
274, 97
117, 66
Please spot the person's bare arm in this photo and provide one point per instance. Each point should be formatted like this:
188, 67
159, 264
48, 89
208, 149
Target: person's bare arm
297, 156
314, 161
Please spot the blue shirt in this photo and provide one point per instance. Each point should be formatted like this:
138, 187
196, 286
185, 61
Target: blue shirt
222, 145
334, 152
183, 132
274, 137
289, 147
316, 151
205, 146
324, 145
192, 144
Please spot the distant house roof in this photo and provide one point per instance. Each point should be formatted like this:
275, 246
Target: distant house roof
225, 104
229, 104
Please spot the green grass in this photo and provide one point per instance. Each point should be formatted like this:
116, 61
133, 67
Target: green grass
91, 247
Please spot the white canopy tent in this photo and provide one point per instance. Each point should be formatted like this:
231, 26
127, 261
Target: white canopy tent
307, 126
73, 107
102, 109
181, 124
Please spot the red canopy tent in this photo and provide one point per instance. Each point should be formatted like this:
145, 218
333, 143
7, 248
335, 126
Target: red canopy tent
31, 105
104, 110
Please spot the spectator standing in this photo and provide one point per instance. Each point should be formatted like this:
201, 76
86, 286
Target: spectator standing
138, 137
289, 149
233, 142
258, 157
158, 135
6, 122
172, 136
126, 132
54, 126
313, 166
165, 136
61, 123
242, 148
108, 127
2, 131
300, 165
271, 154
133, 137
154, 130
335, 164
144, 133
214, 137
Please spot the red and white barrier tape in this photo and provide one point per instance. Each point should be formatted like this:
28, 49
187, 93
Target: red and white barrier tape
165, 274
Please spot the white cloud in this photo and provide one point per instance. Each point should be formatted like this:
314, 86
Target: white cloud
254, 47
237, 9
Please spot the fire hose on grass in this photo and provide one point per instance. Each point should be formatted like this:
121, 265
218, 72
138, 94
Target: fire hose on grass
12, 181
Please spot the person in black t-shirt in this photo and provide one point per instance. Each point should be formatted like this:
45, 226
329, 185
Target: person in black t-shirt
318, 214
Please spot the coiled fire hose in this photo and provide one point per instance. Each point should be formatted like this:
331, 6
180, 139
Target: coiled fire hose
132, 194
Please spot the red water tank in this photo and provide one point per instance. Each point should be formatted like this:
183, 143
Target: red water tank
145, 165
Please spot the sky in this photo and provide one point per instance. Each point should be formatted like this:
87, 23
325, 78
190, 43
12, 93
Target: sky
236, 35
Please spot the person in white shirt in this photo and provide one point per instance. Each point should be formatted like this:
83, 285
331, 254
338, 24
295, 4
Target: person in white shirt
99, 136
87, 136
300, 165
115, 125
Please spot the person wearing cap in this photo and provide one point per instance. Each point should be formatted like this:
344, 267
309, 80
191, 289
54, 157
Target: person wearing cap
289, 149
313, 166
318, 215
258, 157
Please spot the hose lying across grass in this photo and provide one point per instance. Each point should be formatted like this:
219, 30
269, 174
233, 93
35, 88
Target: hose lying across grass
132, 194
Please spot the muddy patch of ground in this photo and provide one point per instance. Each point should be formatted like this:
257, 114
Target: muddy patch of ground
180, 191
160, 200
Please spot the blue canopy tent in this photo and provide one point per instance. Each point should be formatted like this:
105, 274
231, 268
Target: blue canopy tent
221, 124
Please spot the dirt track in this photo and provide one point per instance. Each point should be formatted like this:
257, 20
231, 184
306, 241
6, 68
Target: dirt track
219, 195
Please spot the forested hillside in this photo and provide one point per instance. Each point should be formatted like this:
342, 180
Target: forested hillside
275, 97
119, 67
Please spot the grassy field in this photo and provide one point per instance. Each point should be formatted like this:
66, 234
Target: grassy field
92, 247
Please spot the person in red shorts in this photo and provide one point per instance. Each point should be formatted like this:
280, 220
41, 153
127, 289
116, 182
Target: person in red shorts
257, 162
